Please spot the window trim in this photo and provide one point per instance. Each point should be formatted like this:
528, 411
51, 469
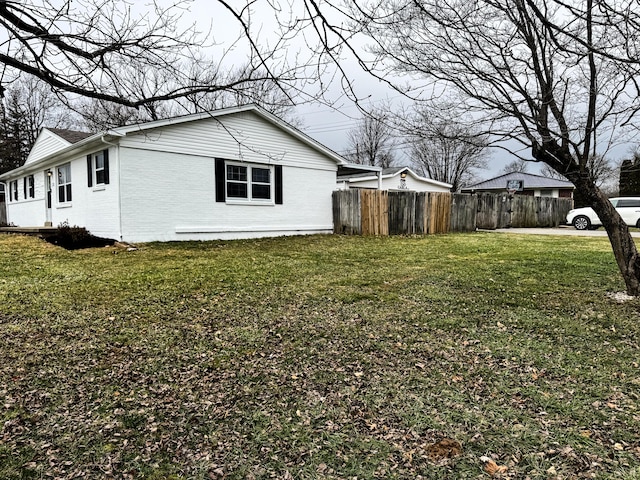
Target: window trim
29, 187
13, 191
92, 169
220, 183
249, 182
68, 197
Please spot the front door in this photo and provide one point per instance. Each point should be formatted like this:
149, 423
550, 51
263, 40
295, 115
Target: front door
48, 174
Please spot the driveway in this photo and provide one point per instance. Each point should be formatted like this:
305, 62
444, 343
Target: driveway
561, 230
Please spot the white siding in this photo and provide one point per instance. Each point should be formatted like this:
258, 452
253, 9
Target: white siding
95, 208
243, 136
27, 212
172, 197
46, 144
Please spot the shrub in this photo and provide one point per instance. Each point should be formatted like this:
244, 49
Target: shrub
75, 237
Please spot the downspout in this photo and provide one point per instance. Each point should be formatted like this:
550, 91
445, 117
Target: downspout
379, 175
117, 155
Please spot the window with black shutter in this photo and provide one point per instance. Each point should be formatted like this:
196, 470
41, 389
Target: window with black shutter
98, 168
244, 182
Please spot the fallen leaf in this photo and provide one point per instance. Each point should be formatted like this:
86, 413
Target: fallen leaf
492, 468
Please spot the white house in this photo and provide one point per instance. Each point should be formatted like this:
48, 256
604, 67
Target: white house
393, 178
233, 173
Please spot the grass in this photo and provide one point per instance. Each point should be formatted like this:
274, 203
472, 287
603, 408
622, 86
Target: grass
318, 358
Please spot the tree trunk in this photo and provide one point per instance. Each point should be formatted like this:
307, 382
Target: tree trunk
624, 248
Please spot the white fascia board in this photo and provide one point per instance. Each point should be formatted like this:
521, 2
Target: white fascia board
56, 157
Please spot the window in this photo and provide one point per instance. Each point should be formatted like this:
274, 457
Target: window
628, 202
248, 182
98, 168
28, 187
261, 183
237, 182
64, 183
13, 191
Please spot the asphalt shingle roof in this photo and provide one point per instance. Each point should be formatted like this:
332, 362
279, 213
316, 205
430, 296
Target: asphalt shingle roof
530, 181
71, 136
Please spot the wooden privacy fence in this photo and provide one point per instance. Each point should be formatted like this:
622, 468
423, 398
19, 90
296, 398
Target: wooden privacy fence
375, 212
520, 211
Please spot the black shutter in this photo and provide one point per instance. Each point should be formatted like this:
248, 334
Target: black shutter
24, 187
89, 172
278, 181
106, 166
220, 180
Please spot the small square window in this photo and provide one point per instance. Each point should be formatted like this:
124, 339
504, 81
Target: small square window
237, 190
260, 175
263, 192
236, 173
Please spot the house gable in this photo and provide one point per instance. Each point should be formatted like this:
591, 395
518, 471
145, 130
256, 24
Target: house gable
243, 136
46, 144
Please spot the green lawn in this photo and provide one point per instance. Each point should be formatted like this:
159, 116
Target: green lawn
322, 357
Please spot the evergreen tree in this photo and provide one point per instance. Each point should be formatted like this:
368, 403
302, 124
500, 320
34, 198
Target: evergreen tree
630, 177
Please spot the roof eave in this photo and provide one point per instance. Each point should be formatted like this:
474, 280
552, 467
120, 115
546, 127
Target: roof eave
73, 148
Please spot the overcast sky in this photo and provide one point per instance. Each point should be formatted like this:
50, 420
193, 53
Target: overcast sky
327, 124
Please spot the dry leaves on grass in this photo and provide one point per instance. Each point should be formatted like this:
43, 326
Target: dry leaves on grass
444, 449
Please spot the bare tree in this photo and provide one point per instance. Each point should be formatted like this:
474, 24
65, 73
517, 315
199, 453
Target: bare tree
27, 106
602, 173
269, 94
443, 148
549, 172
100, 114
95, 48
519, 165
372, 141
557, 76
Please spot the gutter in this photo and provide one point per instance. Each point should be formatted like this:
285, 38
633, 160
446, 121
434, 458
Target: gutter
68, 151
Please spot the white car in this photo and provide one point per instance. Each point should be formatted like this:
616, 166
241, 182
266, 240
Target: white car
585, 218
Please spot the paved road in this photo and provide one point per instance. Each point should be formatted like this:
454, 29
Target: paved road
562, 230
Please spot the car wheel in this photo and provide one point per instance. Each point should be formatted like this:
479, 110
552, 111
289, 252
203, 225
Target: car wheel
581, 222
638, 223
